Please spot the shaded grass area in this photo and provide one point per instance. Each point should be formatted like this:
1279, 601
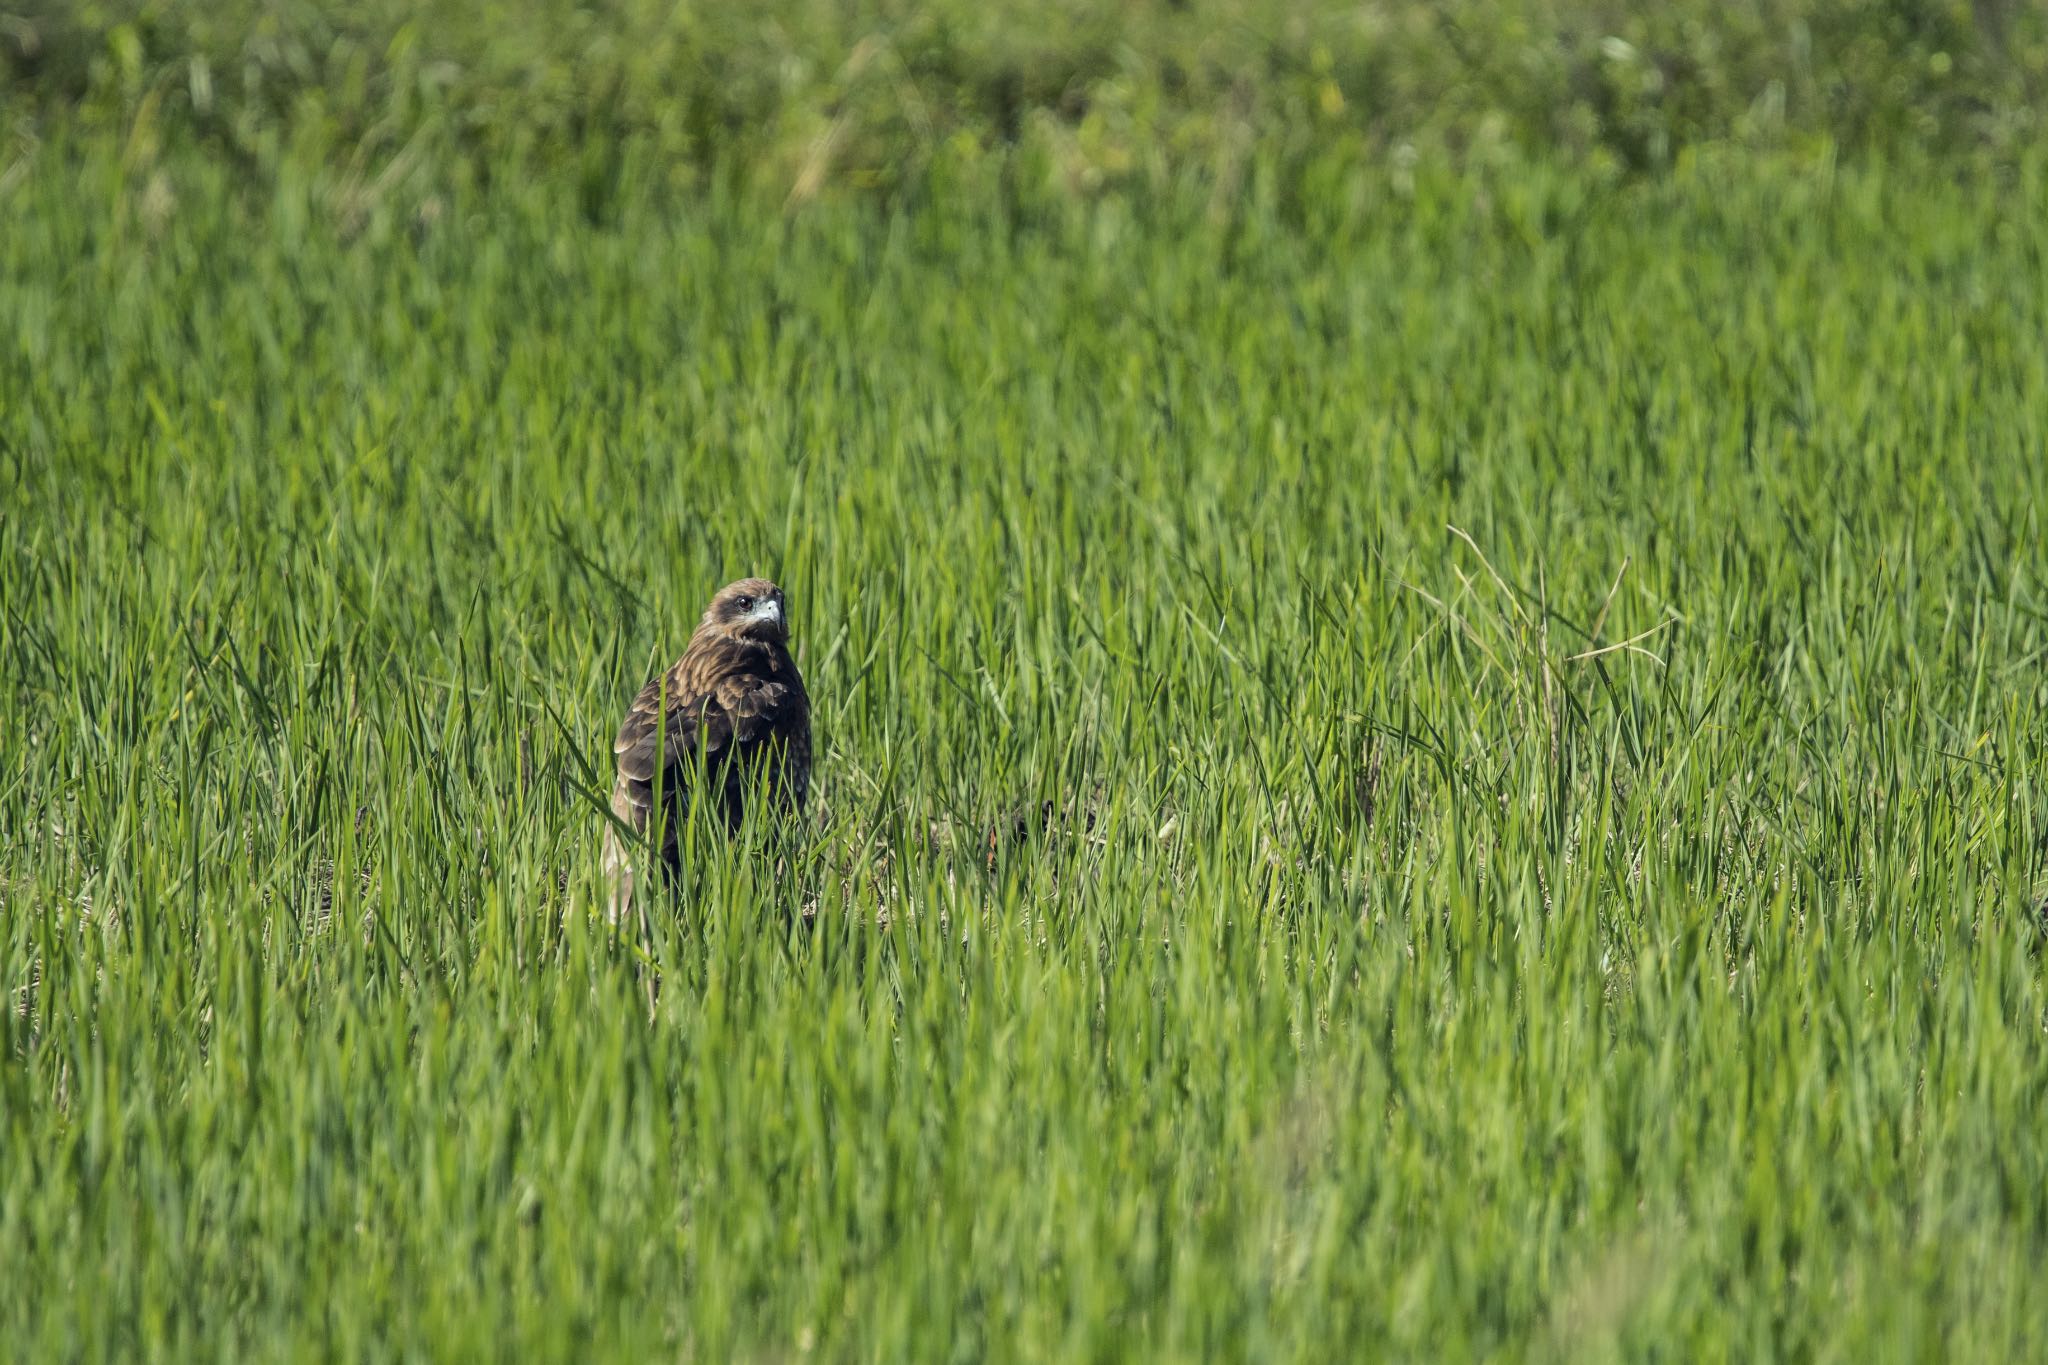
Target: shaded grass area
1537, 686
821, 97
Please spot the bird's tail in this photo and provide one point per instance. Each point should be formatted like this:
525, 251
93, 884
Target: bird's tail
618, 875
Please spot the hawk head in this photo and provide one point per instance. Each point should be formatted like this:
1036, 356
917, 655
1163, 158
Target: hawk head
750, 609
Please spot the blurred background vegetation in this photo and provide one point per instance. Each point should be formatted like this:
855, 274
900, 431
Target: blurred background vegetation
404, 99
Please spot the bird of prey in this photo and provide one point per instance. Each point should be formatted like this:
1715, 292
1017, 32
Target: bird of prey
727, 723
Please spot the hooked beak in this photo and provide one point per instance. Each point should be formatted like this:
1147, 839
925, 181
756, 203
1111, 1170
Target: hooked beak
764, 614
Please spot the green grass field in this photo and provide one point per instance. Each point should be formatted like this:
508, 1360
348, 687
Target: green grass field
1537, 670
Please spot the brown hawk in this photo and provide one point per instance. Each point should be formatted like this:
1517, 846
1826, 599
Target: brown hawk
729, 722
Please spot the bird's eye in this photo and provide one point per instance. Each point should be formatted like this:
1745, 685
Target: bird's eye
745, 604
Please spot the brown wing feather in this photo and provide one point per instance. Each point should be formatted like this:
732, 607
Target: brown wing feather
732, 707
720, 707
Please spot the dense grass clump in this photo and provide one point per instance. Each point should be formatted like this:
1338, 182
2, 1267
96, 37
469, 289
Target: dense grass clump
1429, 759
